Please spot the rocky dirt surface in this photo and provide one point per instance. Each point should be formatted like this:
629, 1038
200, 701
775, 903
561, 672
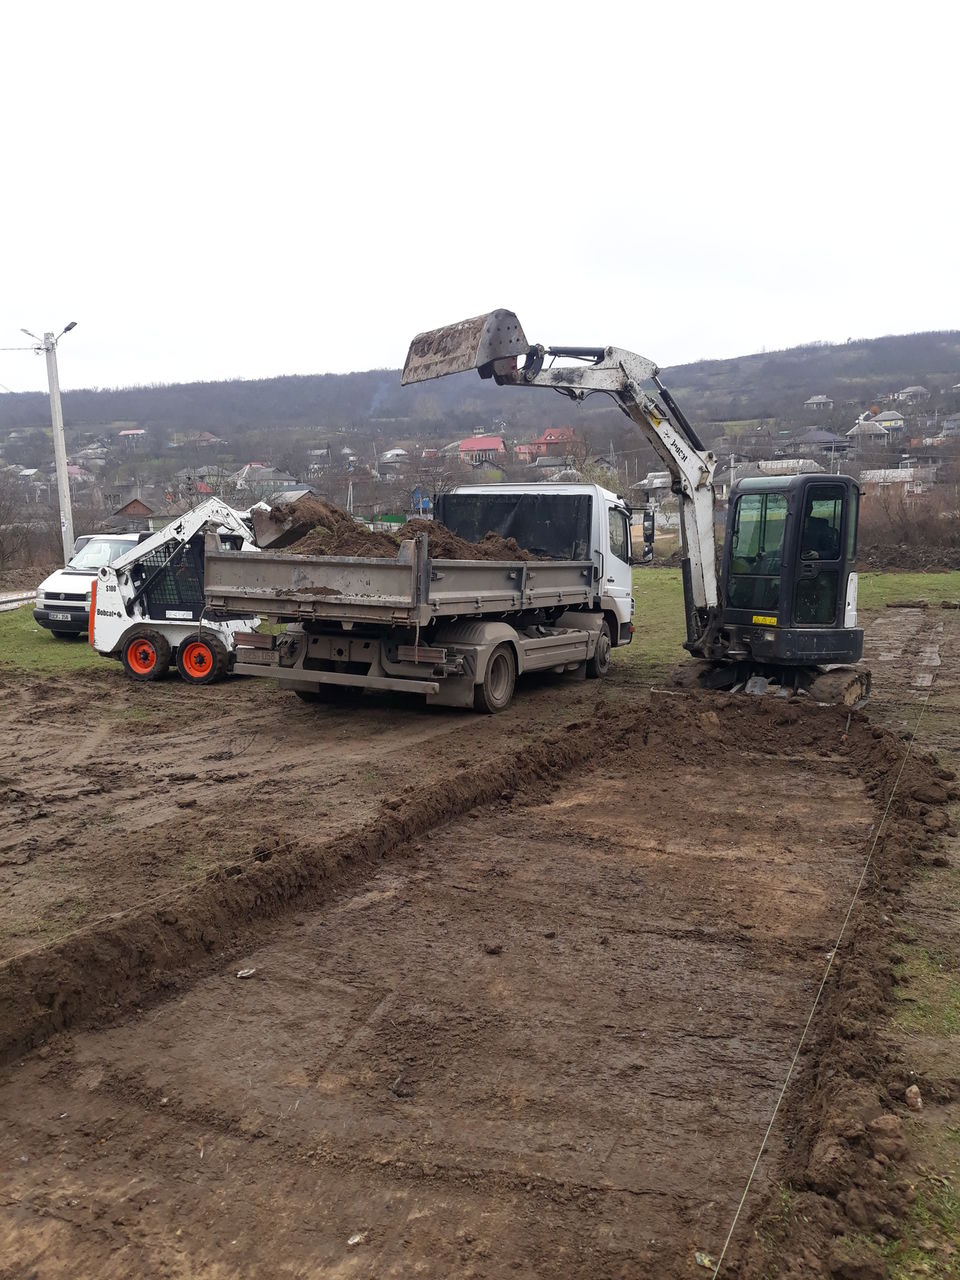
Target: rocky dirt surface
521, 992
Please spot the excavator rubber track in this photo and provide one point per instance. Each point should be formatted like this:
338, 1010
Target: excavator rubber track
833, 686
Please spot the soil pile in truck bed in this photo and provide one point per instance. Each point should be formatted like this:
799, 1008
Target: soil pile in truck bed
446, 545
312, 527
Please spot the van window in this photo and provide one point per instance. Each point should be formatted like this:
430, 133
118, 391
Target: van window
619, 534
100, 551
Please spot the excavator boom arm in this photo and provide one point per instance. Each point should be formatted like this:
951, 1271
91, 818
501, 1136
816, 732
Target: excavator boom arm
495, 345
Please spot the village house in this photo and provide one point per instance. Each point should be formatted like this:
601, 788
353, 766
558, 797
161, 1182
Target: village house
555, 442
482, 449
901, 483
913, 395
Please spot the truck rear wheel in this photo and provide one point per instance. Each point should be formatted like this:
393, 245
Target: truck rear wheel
202, 659
146, 656
599, 664
499, 681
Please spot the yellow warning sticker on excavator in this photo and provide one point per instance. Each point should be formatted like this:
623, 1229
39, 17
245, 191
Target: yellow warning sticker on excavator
764, 621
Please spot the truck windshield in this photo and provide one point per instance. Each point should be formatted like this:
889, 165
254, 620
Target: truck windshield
553, 525
100, 551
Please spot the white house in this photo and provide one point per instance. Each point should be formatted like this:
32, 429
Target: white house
890, 420
819, 402
902, 482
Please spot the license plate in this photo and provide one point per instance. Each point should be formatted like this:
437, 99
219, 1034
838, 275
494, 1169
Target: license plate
61, 617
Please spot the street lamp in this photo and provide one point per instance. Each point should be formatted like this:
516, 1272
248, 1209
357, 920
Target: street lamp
48, 345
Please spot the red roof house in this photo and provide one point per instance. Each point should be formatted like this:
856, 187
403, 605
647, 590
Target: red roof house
482, 449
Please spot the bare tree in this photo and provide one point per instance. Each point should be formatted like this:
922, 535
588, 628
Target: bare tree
14, 519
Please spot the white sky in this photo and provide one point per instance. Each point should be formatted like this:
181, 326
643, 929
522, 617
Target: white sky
238, 190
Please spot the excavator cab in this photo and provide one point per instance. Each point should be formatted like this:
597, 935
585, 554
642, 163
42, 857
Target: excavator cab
788, 581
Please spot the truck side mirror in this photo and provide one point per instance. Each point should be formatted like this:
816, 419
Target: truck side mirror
648, 526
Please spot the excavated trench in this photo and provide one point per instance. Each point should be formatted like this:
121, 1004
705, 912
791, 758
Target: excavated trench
530, 1019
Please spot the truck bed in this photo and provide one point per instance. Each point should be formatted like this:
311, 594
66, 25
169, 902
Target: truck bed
409, 590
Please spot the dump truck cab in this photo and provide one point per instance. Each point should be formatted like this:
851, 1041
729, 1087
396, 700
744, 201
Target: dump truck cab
788, 576
558, 522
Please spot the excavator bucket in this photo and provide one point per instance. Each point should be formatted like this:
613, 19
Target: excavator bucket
469, 344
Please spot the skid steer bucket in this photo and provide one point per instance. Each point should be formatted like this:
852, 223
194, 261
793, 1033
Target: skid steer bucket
278, 528
469, 344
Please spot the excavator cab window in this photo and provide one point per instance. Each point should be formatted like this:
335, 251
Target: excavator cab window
821, 555
756, 552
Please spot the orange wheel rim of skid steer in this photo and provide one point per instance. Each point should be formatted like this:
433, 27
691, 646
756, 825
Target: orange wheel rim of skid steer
142, 657
197, 659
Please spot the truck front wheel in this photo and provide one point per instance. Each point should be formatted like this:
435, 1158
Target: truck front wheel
599, 664
146, 656
499, 681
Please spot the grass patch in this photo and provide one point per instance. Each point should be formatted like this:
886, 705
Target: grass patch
934, 1223
659, 621
658, 642
25, 646
876, 589
928, 992
657, 645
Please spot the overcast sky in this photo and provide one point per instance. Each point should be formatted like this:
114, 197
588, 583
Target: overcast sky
239, 190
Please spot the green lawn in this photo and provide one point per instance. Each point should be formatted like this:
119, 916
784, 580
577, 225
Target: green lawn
660, 629
877, 588
24, 646
657, 644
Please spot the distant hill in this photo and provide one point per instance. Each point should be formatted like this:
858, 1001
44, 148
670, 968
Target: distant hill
374, 405
776, 383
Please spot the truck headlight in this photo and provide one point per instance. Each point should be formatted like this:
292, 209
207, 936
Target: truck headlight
87, 599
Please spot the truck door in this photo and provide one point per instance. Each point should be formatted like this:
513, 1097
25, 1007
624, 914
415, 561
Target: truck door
617, 572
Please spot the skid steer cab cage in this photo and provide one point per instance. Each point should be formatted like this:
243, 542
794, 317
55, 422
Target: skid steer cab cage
789, 571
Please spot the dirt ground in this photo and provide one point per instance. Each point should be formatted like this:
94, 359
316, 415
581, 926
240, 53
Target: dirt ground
525, 989
114, 792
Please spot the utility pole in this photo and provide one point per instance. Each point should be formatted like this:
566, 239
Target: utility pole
48, 345
59, 446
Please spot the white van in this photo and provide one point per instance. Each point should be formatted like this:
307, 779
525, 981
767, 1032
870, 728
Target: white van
63, 599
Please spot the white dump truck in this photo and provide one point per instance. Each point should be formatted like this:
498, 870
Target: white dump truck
458, 631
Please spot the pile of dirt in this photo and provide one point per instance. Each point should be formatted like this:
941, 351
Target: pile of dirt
25, 579
446, 545
312, 527
845, 1177
908, 559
